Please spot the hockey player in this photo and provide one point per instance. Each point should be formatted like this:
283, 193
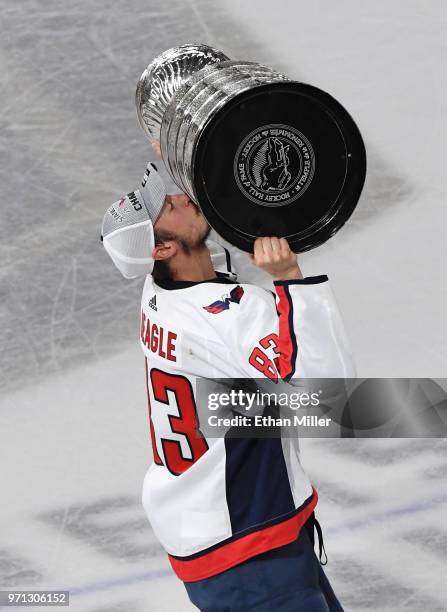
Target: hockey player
235, 515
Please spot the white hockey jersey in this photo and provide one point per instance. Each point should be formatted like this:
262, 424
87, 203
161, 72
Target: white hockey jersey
216, 502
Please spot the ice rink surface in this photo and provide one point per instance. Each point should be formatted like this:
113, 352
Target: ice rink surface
74, 441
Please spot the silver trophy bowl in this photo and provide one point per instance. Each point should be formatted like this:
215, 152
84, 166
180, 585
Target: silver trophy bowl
161, 79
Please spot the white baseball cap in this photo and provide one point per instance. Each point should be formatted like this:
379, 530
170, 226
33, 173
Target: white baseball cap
127, 229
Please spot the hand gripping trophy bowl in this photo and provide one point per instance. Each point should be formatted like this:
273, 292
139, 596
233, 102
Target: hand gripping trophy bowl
261, 155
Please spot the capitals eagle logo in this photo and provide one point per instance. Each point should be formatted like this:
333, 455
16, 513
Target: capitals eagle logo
235, 296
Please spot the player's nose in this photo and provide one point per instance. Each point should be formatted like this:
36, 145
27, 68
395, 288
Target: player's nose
181, 199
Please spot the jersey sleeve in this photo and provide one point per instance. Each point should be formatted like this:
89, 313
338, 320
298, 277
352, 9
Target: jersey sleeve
312, 339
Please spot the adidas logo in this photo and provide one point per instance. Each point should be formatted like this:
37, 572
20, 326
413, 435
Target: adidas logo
153, 302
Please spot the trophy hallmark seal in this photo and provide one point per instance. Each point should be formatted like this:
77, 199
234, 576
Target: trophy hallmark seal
274, 165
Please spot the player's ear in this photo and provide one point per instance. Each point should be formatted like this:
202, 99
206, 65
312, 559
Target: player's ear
164, 250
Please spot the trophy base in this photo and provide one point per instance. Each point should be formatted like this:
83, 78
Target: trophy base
299, 179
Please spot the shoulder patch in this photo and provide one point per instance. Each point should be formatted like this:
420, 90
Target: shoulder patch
218, 306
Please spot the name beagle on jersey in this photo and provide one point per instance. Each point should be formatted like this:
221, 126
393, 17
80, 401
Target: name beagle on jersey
158, 340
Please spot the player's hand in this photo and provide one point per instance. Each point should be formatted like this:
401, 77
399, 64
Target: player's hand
275, 257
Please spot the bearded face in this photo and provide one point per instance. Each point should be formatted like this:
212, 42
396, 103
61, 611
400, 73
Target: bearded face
183, 222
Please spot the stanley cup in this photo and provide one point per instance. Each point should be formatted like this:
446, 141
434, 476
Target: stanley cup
179, 93
245, 143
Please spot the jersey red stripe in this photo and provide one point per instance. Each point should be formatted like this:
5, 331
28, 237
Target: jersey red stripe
256, 543
286, 343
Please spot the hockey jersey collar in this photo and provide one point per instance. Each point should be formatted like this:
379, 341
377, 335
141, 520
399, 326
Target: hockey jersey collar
177, 284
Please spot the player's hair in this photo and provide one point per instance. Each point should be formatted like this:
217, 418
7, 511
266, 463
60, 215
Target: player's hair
162, 269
